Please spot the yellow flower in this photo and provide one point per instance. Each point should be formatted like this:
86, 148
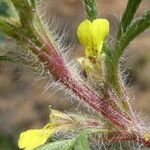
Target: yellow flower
92, 35
31, 139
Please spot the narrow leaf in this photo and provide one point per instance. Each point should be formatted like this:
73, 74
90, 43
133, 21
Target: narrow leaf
137, 27
128, 15
8, 29
24, 11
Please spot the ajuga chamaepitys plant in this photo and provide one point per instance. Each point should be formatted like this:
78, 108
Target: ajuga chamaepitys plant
110, 119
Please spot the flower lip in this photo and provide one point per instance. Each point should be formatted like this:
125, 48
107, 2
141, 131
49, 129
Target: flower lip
92, 35
33, 138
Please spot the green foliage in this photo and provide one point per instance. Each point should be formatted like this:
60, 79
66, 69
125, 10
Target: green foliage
91, 9
9, 29
129, 30
128, 15
59, 145
82, 142
23, 30
132, 31
25, 12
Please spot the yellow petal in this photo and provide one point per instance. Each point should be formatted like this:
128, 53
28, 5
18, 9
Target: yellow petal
92, 35
84, 33
31, 139
100, 30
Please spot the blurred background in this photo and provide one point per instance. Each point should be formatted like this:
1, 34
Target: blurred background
22, 102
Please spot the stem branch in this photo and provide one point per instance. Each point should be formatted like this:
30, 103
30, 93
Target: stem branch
54, 62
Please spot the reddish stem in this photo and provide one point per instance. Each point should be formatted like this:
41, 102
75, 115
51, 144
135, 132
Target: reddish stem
54, 62
56, 65
124, 136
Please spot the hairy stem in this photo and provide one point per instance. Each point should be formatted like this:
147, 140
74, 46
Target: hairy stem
122, 136
54, 62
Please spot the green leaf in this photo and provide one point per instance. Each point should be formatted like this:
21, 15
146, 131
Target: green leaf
25, 12
132, 31
9, 29
14, 31
112, 60
91, 10
128, 15
59, 145
82, 142
135, 28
